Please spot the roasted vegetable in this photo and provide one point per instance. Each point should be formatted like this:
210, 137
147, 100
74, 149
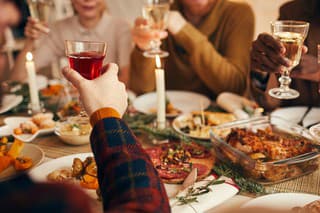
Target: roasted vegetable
89, 182
5, 162
15, 148
22, 163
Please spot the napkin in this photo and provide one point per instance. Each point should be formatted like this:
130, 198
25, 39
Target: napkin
312, 117
218, 194
235, 104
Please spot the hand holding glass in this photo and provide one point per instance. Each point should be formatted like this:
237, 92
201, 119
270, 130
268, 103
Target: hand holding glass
86, 58
156, 13
292, 35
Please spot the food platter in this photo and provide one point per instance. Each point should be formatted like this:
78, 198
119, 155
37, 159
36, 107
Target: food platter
29, 150
190, 125
184, 101
40, 173
11, 123
281, 201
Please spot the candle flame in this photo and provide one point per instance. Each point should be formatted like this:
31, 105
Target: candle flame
29, 56
158, 61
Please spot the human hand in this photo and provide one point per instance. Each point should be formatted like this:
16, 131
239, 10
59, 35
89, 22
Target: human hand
104, 91
175, 22
142, 36
35, 28
267, 54
307, 69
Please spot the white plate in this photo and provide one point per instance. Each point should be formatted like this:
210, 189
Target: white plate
294, 114
13, 122
281, 201
315, 131
182, 100
9, 102
40, 173
29, 150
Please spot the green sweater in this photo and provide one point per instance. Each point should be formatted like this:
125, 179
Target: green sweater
210, 58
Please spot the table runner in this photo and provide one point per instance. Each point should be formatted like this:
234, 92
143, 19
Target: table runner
306, 184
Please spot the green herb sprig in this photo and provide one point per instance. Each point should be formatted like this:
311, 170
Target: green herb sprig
192, 193
235, 172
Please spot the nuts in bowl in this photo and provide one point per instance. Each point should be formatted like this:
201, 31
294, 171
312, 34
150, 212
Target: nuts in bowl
74, 131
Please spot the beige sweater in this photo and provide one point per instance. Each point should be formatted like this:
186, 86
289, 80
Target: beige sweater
210, 59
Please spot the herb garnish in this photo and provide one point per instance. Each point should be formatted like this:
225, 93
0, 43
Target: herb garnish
192, 193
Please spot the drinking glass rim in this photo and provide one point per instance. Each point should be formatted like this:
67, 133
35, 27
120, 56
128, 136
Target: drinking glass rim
290, 23
91, 42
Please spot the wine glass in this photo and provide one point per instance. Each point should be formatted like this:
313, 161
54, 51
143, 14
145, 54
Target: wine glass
156, 12
292, 35
40, 9
86, 57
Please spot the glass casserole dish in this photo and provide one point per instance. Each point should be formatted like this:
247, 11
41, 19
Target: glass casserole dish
268, 149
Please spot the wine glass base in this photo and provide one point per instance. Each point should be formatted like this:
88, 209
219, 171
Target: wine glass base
154, 53
284, 94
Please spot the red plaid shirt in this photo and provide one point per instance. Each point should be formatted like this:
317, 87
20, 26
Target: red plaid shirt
127, 178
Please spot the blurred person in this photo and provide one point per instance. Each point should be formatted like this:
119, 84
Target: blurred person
91, 23
9, 16
208, 42
267, 59
127, 179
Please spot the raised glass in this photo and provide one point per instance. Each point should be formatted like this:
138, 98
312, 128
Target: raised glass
292, 35
156, 13
40, 9
86, 57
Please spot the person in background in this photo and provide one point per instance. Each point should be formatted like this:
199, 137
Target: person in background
267, 59
208, 42
91, 23
9, 16
127, 179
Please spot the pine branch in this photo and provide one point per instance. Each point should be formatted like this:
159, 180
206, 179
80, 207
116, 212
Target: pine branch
235, 172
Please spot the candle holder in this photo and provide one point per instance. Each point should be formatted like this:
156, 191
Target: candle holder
160, 126
32, 110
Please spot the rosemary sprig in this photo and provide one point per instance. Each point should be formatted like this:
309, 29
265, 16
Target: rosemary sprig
142, 123
192, 193
235, 172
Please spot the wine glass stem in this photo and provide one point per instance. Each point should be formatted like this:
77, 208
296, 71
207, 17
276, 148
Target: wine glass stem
285, 80
155, 45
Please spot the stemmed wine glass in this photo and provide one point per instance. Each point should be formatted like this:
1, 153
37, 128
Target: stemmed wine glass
292, 35
156, 12
40, 9
86, 57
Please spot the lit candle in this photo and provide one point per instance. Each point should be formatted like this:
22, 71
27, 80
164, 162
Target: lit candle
33, 89
161, 99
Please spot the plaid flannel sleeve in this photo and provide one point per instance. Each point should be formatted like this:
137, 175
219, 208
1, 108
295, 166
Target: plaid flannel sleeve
127, 178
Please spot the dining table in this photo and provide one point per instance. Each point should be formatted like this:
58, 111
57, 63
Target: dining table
53, 148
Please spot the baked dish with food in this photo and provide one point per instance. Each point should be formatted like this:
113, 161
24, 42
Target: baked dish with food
268, 149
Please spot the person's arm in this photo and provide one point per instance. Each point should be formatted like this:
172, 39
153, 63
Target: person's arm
140, 72
124, 48
127, 178
140, 66
50, 47
227, 69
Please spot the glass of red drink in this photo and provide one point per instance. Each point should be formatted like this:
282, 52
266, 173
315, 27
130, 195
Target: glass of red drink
86, 57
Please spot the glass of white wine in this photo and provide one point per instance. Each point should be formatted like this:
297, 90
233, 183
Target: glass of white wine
40, 9
156, 12
292, 35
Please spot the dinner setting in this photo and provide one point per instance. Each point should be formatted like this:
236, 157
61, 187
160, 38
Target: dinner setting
160, 106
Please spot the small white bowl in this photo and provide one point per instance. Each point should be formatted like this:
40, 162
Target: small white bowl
72, 139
